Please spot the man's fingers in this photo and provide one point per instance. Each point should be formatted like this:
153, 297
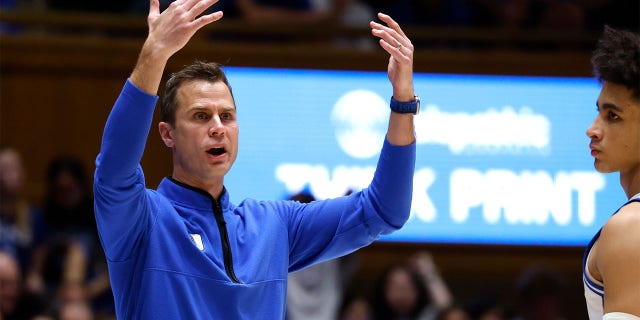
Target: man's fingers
188, 4
390, 35
154, 7
396, 44
199, 7
395, 52
391, 23
206, 19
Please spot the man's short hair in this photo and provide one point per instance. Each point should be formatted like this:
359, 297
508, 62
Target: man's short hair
199, 70
617, 59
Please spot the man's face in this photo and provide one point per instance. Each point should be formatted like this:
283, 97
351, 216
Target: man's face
401, 292
11, 173
615, 132
204, 138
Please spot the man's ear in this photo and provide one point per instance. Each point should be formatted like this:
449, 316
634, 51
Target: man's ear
166, 133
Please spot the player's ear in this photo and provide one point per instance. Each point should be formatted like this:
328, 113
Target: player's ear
166, 133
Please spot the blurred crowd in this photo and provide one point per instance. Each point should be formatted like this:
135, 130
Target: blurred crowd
415, 289
518, 14
51, 263
52, 267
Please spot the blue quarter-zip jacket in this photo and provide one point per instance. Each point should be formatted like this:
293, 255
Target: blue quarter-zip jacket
177, 253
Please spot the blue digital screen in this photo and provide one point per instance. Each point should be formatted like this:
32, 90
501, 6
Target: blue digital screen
500, 159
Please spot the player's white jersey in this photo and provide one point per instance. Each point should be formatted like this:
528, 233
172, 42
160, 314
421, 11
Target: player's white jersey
594, 289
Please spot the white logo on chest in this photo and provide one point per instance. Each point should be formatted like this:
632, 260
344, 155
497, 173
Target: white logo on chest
197, 240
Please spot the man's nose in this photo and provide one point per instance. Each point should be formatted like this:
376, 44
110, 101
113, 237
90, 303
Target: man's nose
593, 131
216, 126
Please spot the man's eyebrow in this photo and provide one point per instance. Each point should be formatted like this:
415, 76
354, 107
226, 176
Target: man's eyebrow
196, 108
200, 108
610, 106
228, 108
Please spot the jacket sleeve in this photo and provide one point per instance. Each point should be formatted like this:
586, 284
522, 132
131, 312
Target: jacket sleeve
327, 229
119, 186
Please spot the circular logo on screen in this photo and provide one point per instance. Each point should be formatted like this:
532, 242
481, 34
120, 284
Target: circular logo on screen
360, 120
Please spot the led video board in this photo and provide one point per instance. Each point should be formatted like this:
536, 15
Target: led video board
500, 159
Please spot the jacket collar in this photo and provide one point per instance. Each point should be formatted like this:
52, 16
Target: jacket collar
190, 196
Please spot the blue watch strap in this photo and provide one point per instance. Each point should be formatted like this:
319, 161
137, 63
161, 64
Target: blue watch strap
405, 107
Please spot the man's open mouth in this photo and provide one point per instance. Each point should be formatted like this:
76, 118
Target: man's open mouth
216, 151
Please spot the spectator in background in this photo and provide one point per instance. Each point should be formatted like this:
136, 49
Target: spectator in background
412, 291
530, 14
511, 14
111, 6
620, 14
347, 12
485, 306
290, 11
315, 293
71, 256
575, 15
454, 312
15, 303
8, 4
448, 13
75, 310
567, 15
356, 307
8, 28
539, 293
21, 224
404, 11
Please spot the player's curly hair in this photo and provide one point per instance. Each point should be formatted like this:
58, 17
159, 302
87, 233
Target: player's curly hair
616, 59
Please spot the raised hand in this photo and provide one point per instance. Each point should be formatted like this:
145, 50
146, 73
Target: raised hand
169, 32
397, 44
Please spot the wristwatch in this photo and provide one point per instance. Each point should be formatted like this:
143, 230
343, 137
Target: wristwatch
406, 107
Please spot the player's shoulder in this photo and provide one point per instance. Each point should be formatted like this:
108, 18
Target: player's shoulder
627, 216
625, 223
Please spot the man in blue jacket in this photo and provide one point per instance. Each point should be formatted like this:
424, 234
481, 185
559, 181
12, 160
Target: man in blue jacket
184, 251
